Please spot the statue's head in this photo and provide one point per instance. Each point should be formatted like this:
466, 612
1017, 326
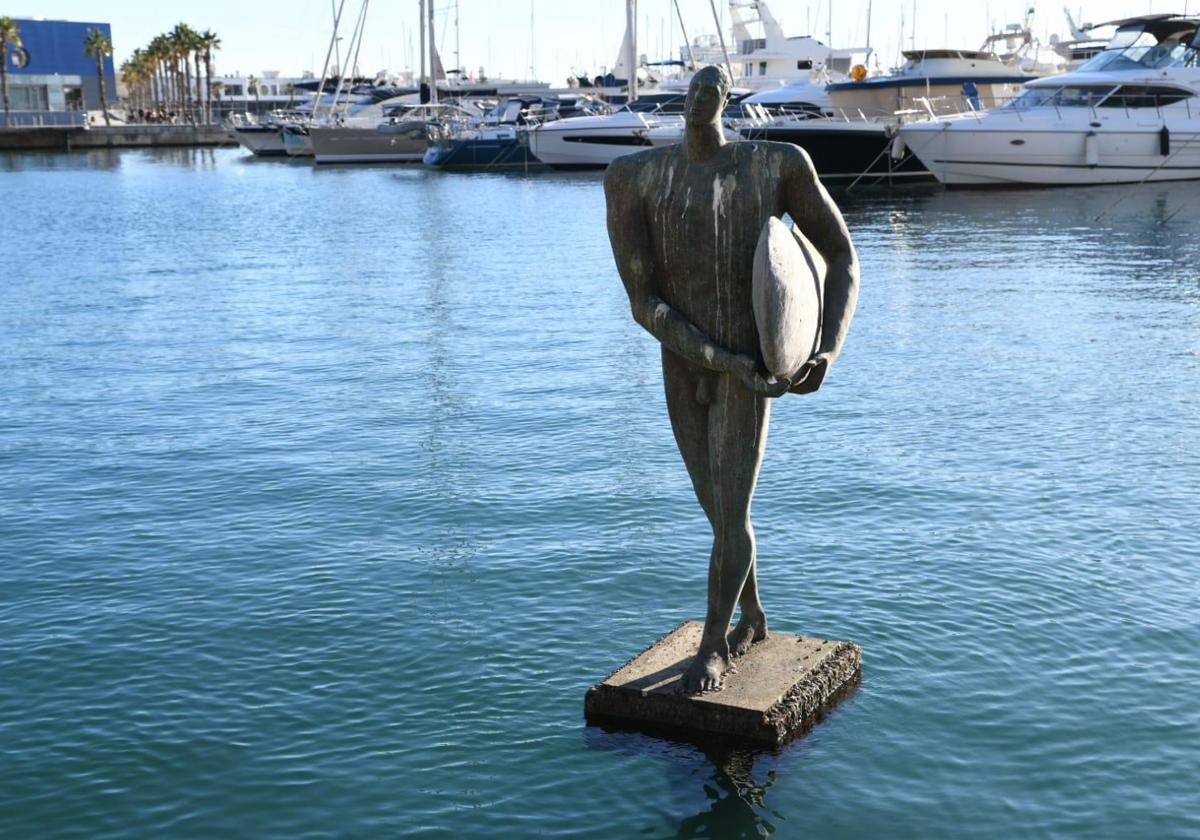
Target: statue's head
707, 94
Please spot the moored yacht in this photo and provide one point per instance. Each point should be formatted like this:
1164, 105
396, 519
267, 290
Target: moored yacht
501, 139
858, 139
400, 136
1130, 114
592, 142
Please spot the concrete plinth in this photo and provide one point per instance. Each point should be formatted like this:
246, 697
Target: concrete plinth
777, 690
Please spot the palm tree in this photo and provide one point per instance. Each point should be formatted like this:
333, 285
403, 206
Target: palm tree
291, 92
10, 34
157, 54
211, 42
97, 45
196, 43
252, 87
181, 40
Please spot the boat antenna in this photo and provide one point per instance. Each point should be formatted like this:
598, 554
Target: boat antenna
686, 40
721, 35
868, 27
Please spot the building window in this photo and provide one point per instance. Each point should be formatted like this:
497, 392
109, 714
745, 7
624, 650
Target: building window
762, 68
29, 97
233, 90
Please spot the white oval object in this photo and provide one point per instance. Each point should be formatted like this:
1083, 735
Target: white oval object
788, 289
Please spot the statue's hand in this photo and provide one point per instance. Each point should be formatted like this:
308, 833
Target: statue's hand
745, 368
811, 375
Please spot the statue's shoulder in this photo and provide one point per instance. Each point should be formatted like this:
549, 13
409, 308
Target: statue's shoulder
788, 155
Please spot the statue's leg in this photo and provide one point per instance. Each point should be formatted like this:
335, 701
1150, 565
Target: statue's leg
737, 437
688, 390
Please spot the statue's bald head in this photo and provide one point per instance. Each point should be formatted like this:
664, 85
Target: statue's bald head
707, 94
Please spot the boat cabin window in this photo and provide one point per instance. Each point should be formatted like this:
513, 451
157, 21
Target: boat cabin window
1076, 96
1145, 96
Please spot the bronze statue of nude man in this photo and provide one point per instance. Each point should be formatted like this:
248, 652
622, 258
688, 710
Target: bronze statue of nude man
684, 222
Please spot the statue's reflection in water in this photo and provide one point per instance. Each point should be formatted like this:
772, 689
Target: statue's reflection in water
719, 786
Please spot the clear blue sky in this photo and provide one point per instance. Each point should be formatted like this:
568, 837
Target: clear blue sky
292, 35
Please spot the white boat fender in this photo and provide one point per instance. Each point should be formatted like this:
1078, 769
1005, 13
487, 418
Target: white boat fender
898, 148
1164, 141
1091, 149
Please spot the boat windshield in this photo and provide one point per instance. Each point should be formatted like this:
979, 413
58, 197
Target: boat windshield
1074, 96
1138, 48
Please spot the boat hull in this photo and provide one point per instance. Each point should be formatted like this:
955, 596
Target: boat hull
487, 153
262, 140
960, 155
296, 144
367, 145
585, 148
846, 151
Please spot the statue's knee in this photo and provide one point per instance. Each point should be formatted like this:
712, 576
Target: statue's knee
736, 538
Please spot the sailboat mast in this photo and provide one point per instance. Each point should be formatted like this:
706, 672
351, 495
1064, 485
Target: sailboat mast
433, 62
421, 29
683, 29
337, 17
721, 34
868, 27
631, 59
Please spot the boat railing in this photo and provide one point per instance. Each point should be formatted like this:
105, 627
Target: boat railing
1136, 106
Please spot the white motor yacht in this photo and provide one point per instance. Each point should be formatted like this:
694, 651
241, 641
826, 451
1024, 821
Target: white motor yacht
593, 142
765, 56
1130, 114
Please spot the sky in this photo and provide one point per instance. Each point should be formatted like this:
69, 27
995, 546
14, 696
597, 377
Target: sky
548, 39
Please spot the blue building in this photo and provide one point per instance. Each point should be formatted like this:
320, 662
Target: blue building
51, 71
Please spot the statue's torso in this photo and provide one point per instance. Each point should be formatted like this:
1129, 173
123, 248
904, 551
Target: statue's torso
704, 220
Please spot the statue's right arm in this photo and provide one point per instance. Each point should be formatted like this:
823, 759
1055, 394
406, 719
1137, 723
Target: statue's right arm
634, 255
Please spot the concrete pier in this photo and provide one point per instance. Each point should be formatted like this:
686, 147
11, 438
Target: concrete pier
68, 138
777, 690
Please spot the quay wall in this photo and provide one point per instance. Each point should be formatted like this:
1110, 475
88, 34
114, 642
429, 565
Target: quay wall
113, 137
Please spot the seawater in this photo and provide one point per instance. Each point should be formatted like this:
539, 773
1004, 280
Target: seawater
325, 495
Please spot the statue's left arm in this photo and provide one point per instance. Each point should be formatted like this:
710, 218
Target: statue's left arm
818, 217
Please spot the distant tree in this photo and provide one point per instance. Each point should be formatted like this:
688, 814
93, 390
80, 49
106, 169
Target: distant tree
291, 92
10, 35
97, 45
252, 87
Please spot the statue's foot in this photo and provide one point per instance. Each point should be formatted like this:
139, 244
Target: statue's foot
749, 629
706, 673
